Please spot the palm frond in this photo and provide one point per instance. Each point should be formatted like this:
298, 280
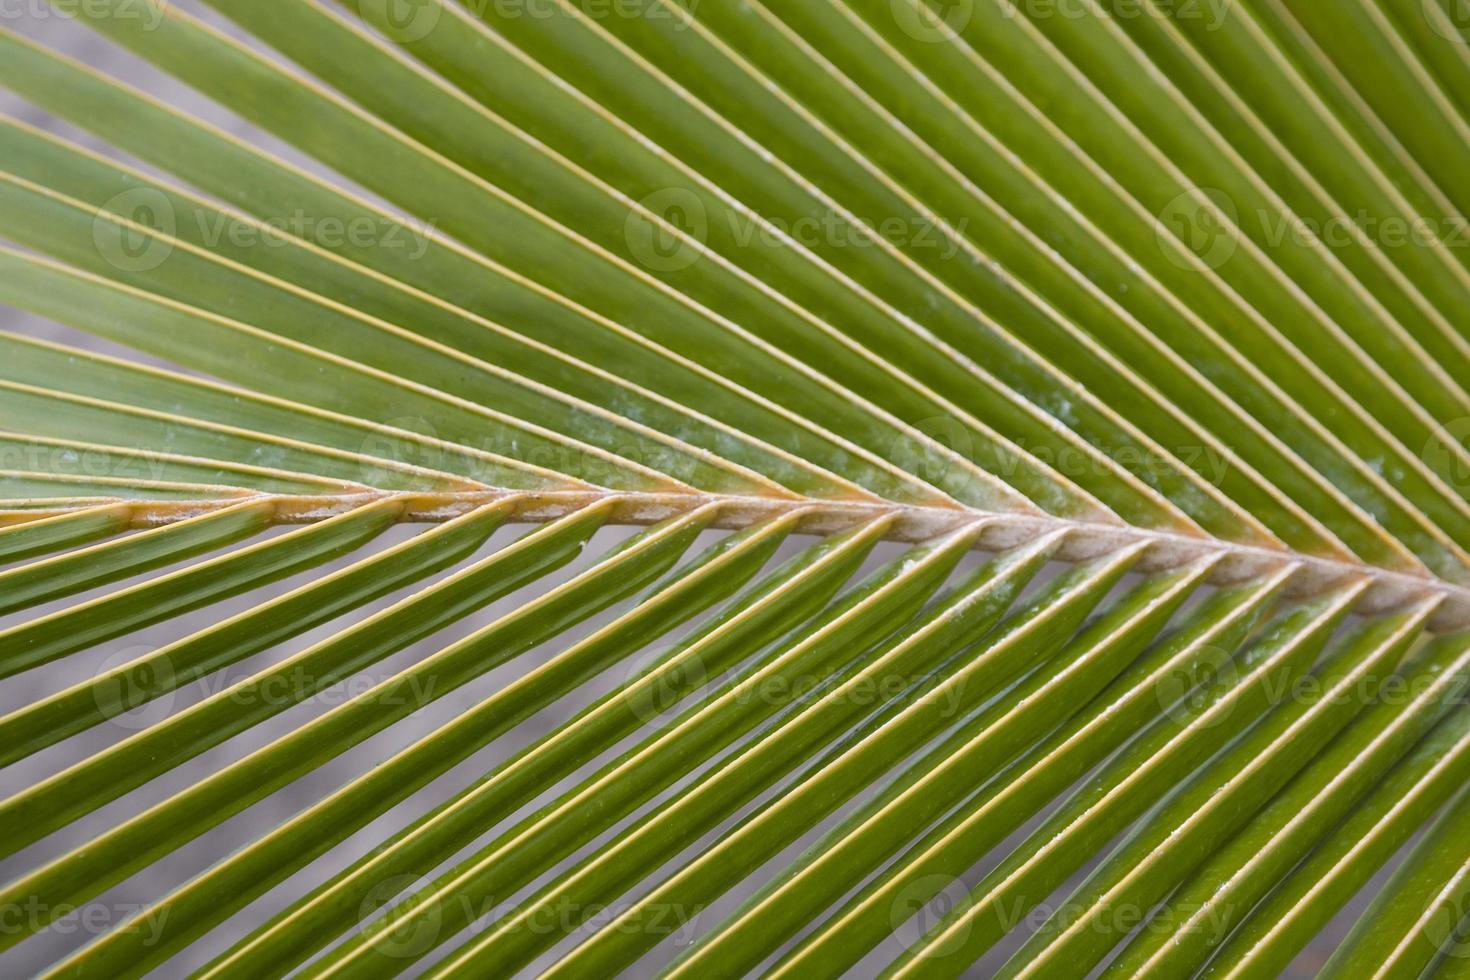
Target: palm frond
993, 477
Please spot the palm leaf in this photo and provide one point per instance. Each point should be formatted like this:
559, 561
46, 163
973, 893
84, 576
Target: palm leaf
990, 477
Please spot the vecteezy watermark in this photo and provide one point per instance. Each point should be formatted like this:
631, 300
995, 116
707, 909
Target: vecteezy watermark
416, 441
1202, 220
564, 916
1340, 231
588, 9
930, 901
867, 690
922, 904
671, 229
136, 687
25, 455
1449, 19
1206, 222
133, 688
1438, 453
829, 229
941, 442
1191, 689
407, 21
151, 225
657, 680
414, 925
1200, 692
932, 21
1208, 14
93, 919
1213, 920
408, 440
150, 12
656, 245
136, 249
332, 233
1447, 922
403, 21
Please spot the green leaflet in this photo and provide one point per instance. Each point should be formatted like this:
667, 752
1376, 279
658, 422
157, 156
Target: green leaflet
145, 678
882, 603
1317, 888
1417, 916
1185, 826
1097, 811
65, 574
53, 534
784, 599
46, 638
207, 899
1166, 677
1221, 893
957, 685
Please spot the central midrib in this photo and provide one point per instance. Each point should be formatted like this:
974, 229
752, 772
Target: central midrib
1389, 589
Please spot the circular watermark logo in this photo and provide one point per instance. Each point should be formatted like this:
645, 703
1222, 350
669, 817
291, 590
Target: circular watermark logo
655, 246
921, 905
384, 443
1439, 454
403, 21
941, 441
1203, 219
1447, 927
132, 249
1449, 19
415, 926
1186, 692
134, 689
932, 21
653, 683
